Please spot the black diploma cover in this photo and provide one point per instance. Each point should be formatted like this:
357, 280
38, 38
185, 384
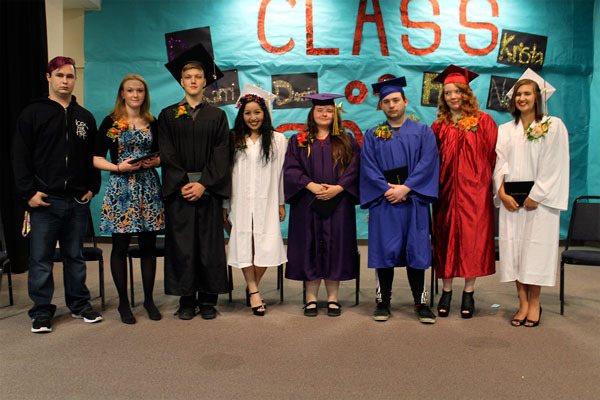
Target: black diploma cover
396, 176
325, 207
146, 157
519, 190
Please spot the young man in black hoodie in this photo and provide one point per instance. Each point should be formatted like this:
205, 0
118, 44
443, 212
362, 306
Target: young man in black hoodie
52, 162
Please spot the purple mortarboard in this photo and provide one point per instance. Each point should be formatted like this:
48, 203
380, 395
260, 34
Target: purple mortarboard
323, 99
455, 74
387, 87
195, 55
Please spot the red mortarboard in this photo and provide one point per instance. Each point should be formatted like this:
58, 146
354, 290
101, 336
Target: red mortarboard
455, 74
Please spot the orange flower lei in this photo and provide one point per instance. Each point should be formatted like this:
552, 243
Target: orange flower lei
182, 111
383, 132
118, 127
468, 124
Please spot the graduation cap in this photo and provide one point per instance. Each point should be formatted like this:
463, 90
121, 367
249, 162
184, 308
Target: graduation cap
254, 90
546, 89
323, 99
455, 74
195, 55
389, 86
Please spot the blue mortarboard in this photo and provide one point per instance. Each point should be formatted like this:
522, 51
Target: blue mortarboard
389, 86
323, 99
199, 55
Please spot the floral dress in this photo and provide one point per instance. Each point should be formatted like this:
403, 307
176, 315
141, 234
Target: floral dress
132, 202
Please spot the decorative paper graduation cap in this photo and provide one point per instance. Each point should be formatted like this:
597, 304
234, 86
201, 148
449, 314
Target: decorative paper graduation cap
389, 86
455, 74
198, 55
323, 99
546, 88
250, 89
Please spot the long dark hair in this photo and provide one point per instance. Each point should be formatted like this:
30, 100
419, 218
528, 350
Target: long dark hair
241, 130
341, 146
538, 100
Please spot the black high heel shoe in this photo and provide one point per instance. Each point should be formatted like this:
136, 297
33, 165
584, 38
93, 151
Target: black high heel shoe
443, 307
467, 307
532, 324
258, 310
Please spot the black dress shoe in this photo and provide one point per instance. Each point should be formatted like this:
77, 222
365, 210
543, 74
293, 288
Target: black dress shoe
186, 313
126, 315
208, 312
152, 311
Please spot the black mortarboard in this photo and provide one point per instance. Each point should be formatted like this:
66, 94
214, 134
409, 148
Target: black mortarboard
198, 55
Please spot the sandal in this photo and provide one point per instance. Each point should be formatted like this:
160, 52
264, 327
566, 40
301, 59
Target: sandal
443, 307
334, 311
312, 311
467, 307
258, 310
532, 324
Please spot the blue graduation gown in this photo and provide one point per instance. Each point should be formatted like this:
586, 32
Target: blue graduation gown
320, 248
399, 233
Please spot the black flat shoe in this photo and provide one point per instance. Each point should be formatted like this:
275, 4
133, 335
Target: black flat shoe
152, 311
258, 310
443, 307
467, 307
311, 312
532, 324
186, 313
334, 311
126, 315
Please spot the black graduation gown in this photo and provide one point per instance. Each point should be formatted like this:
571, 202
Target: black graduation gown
195, 258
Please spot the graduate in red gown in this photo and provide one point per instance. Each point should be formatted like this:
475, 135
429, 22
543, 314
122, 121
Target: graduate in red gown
321, 186
463, 225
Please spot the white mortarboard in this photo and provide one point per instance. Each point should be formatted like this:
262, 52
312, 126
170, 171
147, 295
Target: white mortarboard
267, 96
546, 88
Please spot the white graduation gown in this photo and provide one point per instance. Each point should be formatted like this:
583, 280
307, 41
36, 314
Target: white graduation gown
529, 239
256, 193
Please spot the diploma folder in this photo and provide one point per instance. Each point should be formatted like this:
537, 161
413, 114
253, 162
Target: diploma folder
146, 157
396, 176
325, 207
519, 190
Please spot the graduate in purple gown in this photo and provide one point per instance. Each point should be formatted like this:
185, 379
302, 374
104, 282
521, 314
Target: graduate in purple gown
398, 181
321, 185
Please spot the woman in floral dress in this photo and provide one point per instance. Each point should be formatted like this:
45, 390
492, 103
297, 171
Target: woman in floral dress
132, 205
463, 220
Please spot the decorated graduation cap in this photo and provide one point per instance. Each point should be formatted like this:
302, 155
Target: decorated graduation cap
195, 55
327, 99
389, 86
546, 89
252, 92
323, 99
455, 74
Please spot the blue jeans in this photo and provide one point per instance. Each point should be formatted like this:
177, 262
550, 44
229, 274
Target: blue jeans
65, 221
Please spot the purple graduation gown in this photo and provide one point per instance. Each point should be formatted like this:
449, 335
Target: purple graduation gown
320, 248
399, 233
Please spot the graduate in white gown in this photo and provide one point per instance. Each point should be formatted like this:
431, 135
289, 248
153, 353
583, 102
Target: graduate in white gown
532, 148
256, 206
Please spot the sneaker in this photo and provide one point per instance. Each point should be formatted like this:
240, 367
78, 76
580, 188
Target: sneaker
89, 315
41, 325
382, 312
426, 316
208, 311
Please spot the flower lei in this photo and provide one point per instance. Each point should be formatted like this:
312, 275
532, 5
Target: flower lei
305, 139
383, 132
248, 98
182, 111
468, 124
119, 126
537, 130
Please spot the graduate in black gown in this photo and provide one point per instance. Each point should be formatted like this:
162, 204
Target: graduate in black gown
196, 177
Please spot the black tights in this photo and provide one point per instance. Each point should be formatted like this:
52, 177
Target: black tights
385, 278
118, 264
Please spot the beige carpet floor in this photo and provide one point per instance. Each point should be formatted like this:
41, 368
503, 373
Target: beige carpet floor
285, 355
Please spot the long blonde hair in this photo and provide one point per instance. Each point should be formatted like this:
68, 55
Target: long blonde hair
119, 111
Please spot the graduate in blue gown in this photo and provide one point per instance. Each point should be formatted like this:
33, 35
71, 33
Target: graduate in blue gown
399, 172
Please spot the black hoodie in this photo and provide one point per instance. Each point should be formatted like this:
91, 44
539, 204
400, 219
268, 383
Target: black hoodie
53, 149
